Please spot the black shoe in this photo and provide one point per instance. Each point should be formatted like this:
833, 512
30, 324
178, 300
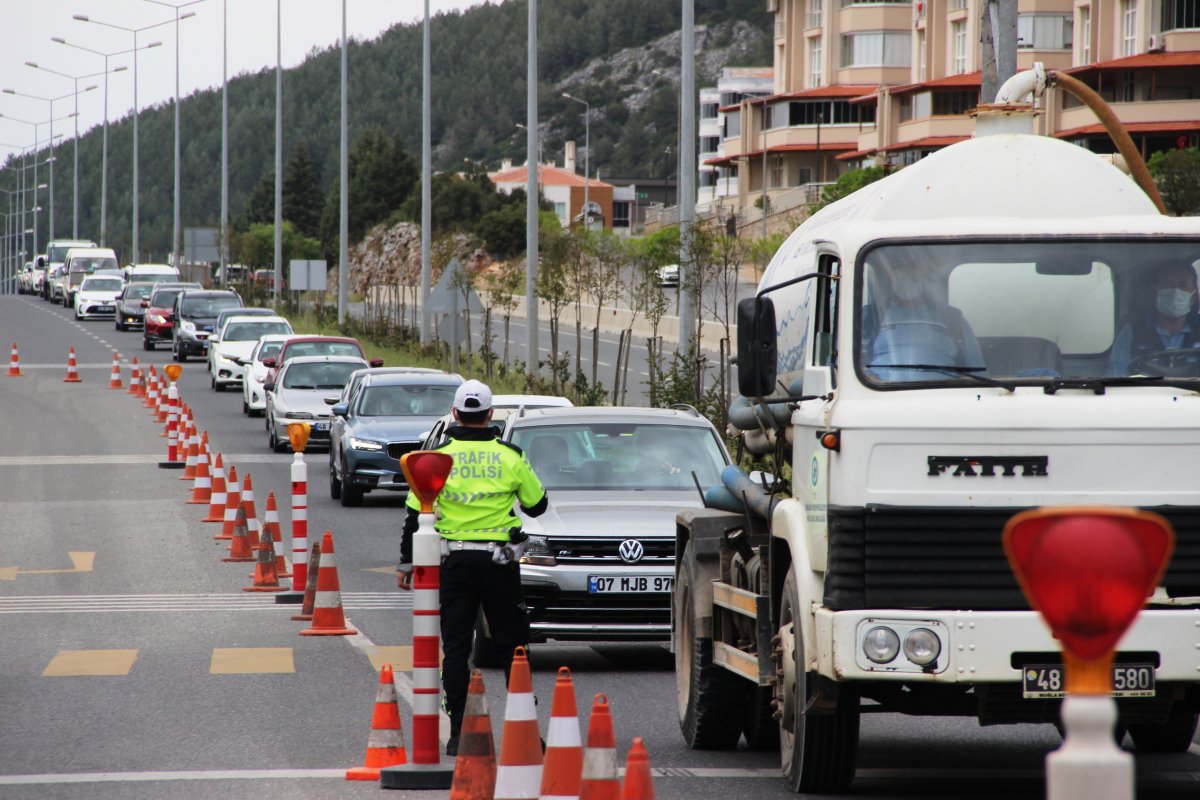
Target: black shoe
452, 745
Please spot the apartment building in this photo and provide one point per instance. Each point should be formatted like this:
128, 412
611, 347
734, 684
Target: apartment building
717, 182
862, 82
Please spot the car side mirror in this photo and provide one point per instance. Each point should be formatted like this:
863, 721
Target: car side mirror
269, 362
376, 362
339, 409
269, 386
756, 347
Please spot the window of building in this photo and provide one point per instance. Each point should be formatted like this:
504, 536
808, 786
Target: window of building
621, 213
954, 103
921, 55
814, 14
917, 105
777, 179
708, 110
848, 3
1180, 14
708, 178
1044, 32
1085, 50
1128, 27
877, 49
560, 211
958, 34
816, 58
709, 144
803, 176
777, 116
733, 124
827, 112
1126, 86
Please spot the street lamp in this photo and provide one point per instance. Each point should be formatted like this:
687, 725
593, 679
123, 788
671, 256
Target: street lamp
135, 31
75, 178
587, 152
51, 101
104, 153
178, 17
541, 155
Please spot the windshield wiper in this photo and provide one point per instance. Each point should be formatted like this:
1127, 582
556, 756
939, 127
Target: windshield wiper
966, 372
1099, 384
300, 386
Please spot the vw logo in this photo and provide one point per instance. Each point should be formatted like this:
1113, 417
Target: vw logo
631, 551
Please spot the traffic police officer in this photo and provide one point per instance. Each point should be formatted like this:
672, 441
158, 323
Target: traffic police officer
481, 540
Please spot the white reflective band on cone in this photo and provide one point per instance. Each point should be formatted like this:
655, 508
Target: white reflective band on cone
387, 737
563, 732
219, 499
386, 694
514, 781
328, 560
520, 708
327, 599
599, 763
425, 625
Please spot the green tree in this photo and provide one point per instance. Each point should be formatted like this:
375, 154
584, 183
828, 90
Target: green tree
848, 184
503, 231
302, 199
260, 206
1177, 173
256, 247
382, 176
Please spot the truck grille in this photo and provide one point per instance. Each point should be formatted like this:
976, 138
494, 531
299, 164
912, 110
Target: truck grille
953, 558
397, 449
591, 549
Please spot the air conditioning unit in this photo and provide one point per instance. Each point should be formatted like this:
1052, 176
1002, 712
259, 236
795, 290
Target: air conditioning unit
1156, 45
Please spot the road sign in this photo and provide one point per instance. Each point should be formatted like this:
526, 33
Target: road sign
307, 276
449, 297
452, 329
200, 245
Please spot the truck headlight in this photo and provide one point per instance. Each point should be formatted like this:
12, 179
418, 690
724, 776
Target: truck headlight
364, 444
538, 552
922, 647
881, 644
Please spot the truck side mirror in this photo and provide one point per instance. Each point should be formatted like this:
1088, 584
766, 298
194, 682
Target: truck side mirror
756, 347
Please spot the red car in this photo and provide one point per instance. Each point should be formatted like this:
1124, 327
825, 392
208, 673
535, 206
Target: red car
315, 346
160, 321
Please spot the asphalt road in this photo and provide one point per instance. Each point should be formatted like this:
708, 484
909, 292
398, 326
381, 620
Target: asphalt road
137, 667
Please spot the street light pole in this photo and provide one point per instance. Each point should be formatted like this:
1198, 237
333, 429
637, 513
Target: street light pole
426, 179
135, 31
278, 151
343, 189
587, 151
531, 192
224, 142
104, 156
688, 306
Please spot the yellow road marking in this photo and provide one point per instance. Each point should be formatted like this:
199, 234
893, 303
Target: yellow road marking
70, 663
399, 656
81, 561
251, 660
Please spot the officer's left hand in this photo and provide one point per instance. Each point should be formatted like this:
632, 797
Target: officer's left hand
509, 553
404, 579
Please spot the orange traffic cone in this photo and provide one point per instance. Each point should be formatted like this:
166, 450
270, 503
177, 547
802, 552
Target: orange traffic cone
475, 768
638, 784
328, 619
564, 749
150, 401
233, 501
310, 585
217, 498
519, 773
115, 381
72, 369
162, 410
202, 487
191, 445
599, 778
265, 577
271, 526
239, 543
385, 744
14, 363
135, 379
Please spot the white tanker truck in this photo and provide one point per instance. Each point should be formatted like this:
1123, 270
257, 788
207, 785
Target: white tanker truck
970, 337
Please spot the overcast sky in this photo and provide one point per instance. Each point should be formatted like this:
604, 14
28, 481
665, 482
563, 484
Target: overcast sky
28, 26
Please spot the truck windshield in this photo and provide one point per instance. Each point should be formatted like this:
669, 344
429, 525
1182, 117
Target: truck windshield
1031, 312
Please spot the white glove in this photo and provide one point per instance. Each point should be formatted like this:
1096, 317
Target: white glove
508, 553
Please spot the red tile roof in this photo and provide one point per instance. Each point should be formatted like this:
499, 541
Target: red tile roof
837, 91
1190, 58
829, 147
547, 176
1186, 126
965, 81
855, 154
928, 141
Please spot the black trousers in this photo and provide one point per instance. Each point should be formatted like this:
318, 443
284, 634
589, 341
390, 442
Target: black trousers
469, 581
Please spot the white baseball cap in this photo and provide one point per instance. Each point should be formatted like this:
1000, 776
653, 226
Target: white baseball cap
473, 395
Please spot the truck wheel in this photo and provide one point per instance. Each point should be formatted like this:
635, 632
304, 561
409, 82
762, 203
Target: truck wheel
1173, 736
485, 654
761, 729
817, 751
711, 699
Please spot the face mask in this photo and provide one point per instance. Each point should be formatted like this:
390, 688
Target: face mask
1174, 303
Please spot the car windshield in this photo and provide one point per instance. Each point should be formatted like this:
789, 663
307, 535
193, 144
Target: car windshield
408, 400
1048, 312
621, 455
252, 331
137, 291
207, 306
59, 254
268, 350
325, 375
321, 349
164, 298
102, 285
91, 264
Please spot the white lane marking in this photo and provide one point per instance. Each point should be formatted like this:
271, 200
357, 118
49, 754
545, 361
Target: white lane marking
94, 604
211, 775
403, 680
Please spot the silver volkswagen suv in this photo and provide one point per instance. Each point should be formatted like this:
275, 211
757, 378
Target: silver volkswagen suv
600, 562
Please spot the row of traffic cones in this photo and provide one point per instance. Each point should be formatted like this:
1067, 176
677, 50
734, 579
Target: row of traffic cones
14, 370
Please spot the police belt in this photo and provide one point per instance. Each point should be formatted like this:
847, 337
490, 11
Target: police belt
454, 545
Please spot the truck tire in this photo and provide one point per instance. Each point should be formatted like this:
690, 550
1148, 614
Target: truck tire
711, 699
1173, 736
760, 728
818, 755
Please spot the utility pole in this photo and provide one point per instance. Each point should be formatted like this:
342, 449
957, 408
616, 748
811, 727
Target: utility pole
687, 174
999, 38
426, 189
531, 196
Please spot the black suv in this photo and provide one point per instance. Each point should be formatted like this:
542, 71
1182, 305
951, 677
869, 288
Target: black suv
194, 315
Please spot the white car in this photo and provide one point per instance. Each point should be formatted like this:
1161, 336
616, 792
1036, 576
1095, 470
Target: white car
236, 341
97, 296
254, 374
298, 394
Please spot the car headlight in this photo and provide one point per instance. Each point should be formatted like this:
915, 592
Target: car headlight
538, 552
881, 644
368, 445
297, 415
157, 319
